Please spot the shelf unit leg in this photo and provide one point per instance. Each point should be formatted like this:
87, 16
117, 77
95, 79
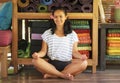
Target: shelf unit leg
15, 69
94, 69
3, 61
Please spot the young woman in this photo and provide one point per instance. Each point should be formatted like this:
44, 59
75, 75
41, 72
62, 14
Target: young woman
60, 45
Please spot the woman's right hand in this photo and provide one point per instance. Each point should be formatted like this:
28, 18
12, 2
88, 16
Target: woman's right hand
35, 55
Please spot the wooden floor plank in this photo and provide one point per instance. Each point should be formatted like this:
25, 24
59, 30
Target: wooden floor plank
31, 75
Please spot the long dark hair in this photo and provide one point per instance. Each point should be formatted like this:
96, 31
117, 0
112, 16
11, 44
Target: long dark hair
67, 25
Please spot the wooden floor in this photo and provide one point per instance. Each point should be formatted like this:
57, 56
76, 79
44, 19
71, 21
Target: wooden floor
29, 75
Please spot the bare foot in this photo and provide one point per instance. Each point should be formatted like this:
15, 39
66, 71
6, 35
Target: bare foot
69, 77
66, 76
49, 76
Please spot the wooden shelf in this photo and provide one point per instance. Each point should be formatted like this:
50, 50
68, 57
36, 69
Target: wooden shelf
28, 61
25, 61
47, 15
103, 43
17, 15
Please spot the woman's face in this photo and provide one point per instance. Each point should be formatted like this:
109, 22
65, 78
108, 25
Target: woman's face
59, 17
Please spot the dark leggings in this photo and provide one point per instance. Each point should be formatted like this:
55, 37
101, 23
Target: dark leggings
59, 65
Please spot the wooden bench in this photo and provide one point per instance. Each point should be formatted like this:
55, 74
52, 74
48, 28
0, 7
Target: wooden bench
3, 60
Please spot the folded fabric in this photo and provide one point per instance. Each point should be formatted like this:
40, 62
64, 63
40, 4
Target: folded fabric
5, 37
6, 16
85, 48
113, 51
113, 30
1, 6
113, 41
113, 48
113, 57
113, 35
84, 38
114, 54
81, 45
113, 44
85, 42
80, 26
82, 30
113, 38
83, 34
80, 22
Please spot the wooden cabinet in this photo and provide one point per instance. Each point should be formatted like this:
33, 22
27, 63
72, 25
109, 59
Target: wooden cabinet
104, 56
18, 15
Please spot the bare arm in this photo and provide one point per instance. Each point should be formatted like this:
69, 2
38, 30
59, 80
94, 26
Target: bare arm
76, 54
42, 52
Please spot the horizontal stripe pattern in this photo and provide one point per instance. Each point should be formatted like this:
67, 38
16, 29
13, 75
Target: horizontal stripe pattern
60, 48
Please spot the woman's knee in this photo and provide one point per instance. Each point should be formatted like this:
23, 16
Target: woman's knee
36, 61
